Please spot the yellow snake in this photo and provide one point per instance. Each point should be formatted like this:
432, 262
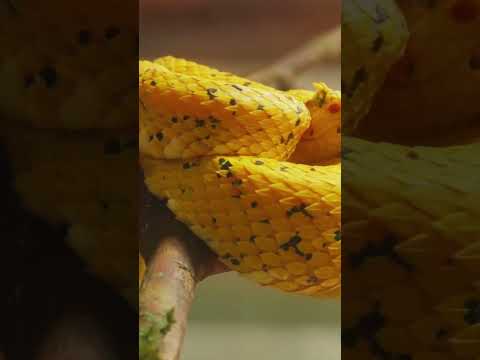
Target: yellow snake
218, 148
410, 214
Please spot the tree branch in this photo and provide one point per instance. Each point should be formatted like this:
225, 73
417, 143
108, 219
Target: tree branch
281, 75
177, 261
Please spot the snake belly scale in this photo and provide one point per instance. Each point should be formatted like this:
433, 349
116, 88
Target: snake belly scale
217, 148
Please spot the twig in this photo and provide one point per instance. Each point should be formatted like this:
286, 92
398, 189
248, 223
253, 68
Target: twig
323, 48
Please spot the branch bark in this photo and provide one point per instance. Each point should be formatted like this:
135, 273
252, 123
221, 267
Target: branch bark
281, 75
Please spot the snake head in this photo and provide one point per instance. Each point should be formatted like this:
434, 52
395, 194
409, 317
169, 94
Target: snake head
320, 143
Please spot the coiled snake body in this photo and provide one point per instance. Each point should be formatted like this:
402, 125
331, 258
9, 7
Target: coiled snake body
217, 147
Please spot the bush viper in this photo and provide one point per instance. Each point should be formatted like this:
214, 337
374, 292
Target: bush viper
374, 34
69, 85
217, 146
61, 63
100, 211
410, 213
441, 65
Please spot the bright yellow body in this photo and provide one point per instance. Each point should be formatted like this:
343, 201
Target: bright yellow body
217, 147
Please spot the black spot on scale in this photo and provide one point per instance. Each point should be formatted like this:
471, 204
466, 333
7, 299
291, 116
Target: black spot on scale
254, 204
237, 87
214, 122
289, 137
299, 209
233, 102
293, 243
259, 162
386, 248
297, 122
378, 43
360, 76
199, 123
153, 83
235, 261
211, 93
260, 107
225, 164
174, 119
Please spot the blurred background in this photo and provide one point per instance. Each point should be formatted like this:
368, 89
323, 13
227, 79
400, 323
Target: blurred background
233, 318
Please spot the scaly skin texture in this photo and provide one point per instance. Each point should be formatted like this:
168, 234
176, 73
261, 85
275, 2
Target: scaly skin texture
441, 65
53, 176
411, 214
48, 77
374, 35
220, 162
320, 143
68, 85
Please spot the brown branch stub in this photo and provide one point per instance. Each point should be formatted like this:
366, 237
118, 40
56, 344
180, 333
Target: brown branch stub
323, 48
177, 261
169, 286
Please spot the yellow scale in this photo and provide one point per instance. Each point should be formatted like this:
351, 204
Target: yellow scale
218, 147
